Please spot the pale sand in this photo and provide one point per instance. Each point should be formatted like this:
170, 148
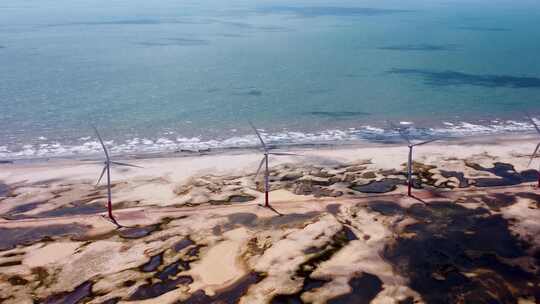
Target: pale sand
223, 256
156, 182
230, 250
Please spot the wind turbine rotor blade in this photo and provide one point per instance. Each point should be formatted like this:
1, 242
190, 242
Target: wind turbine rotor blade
125, 164
534, 123
534, 154
258, 135
260, 167
425, 142
283, 153
404, 136
102, 173
393, 125
400, 131
102, 143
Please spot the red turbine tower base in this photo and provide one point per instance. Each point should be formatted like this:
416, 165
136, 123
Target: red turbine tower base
107, 169
403, 134
264, 162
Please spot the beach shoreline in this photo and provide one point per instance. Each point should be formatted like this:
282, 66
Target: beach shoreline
244, 161
487, 139
161, 175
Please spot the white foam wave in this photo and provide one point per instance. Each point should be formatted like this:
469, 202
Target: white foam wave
172, 142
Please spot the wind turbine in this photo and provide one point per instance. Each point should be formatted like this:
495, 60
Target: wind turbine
411, 146
264, 162
537, 147
107, 168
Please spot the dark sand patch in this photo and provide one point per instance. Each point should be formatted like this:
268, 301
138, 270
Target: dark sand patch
137, 232
76, 208
149, 291
237, 198
290, 219
383, 186
364, 289
333, 208
168, 280
14, 214
12, 237
319, 255
231, 294
184, 243
17, 281
153, 264
244, 219
4, 190
463, 182
385, 207
76, 296
507, 173
448, 243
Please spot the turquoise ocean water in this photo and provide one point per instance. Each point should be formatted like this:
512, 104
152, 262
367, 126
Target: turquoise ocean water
167, 75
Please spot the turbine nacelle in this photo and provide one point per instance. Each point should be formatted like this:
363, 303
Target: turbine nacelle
411, 146
107, 169
406, 137
264, 162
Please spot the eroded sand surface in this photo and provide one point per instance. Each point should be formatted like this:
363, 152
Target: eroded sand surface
341, 231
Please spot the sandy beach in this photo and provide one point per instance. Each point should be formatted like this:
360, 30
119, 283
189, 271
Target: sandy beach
342, 229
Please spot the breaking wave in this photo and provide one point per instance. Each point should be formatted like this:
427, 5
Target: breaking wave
172, 143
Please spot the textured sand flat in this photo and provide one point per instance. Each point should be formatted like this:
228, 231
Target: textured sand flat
341, 229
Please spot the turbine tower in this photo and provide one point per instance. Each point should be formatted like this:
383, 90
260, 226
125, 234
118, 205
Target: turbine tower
411, 146
107, 169
535, 152
264, 161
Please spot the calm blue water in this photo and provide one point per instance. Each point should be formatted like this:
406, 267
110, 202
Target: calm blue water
165, 75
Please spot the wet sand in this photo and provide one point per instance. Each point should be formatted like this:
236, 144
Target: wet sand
341, 229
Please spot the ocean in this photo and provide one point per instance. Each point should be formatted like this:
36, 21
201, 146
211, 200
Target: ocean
161, 76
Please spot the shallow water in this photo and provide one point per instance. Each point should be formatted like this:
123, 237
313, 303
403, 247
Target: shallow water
176, 75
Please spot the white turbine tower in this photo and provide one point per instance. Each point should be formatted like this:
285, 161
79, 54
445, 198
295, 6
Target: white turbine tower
107, 168
411, 146
535, 152
264, 162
